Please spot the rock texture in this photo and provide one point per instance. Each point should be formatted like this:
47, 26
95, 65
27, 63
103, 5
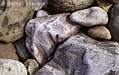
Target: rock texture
114, 22
41, 13
32, 66
7, 51
21, 49
68, 5
68, 60
81, 55
12, 67
90, 17
99, 32
37, 4
45, 33
13, 20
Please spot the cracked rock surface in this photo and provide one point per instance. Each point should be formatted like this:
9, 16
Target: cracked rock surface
81, 55
45, 33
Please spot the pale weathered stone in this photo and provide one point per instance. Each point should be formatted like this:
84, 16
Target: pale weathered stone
12, 67
45, 33
32, 66
90, 17
68, 5
99, 32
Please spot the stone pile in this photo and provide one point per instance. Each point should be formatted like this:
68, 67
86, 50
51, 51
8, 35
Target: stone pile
59, 37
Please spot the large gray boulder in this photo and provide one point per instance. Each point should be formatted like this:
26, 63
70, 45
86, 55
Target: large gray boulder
81, 55
45, 33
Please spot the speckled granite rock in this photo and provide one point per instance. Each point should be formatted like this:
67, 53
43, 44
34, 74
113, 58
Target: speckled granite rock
68, 5
90, 17
12, 67
114, 22
99, 32
81, 55
32, 66
45, 33
8, 51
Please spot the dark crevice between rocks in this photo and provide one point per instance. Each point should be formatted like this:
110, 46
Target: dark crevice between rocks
52, 11
20, 59
112, 73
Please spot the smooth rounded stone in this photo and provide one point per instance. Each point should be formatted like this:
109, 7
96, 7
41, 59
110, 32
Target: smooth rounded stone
41, 13
2, 6
13, 20
32, 66
114, 22
99, 32
12, 67
8, 51
105, 4
90, 17
44, 33
68, 5
21, 49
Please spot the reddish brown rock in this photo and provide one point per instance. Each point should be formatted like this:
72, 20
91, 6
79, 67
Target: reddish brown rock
7, 51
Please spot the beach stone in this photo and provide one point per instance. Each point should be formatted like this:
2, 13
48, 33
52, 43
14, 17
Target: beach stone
8, 51
44, 33
32, 66
99, 58
12, 67
57, 6
68, 60
99, 32
90, 17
